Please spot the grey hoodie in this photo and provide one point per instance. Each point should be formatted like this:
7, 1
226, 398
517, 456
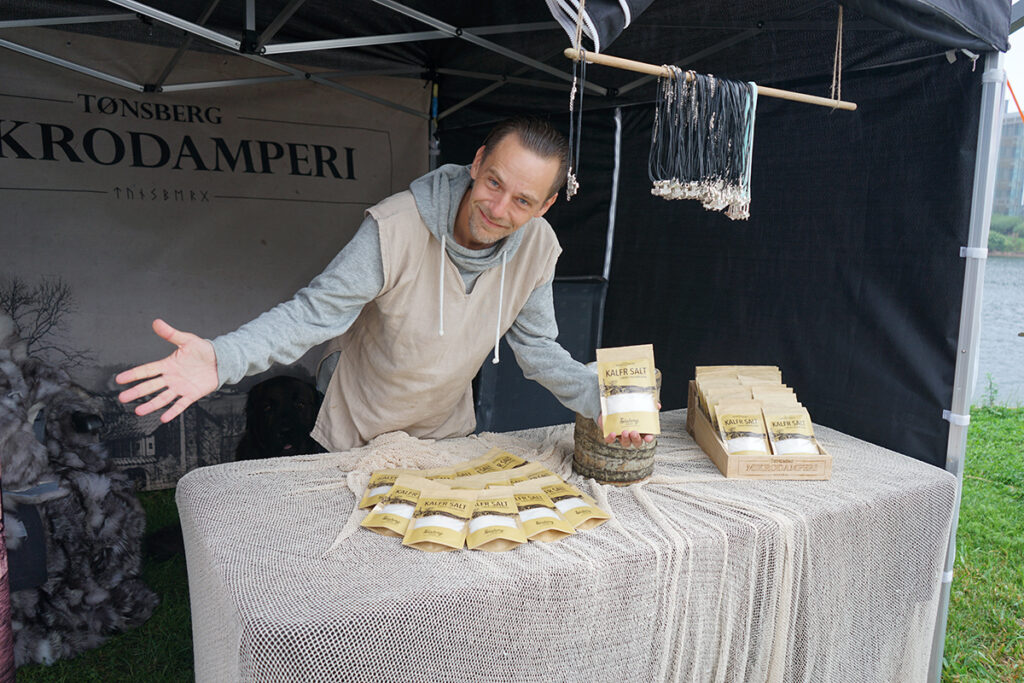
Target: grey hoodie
328, 306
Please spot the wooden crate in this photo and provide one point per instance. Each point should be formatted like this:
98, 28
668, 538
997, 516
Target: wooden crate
751, 466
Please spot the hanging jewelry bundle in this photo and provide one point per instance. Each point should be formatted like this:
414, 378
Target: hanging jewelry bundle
579, 80
702, 141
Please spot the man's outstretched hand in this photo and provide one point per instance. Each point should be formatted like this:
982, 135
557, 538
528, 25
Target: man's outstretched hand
181, 379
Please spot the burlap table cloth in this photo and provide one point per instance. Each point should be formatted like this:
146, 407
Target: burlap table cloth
696, 578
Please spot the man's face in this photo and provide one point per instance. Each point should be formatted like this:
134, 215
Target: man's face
511, 186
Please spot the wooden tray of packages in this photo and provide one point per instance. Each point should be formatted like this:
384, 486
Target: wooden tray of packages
751, 466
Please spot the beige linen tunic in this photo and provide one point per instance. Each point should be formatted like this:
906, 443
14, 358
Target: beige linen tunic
395, 371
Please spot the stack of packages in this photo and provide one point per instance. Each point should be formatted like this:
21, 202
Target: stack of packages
753, 411
495, 502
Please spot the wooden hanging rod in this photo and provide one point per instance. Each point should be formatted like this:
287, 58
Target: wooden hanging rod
655, 70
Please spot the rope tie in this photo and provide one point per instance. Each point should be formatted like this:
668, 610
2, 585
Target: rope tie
837, 61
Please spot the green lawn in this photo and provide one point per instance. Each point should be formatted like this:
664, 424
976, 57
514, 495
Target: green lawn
985, 634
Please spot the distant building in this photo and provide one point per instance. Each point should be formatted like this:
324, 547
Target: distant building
1009, 195
155, 455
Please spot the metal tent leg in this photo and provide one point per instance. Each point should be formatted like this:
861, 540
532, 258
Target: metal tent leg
989, 130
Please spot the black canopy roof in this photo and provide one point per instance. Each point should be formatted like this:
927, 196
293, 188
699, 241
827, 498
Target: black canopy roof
469, 46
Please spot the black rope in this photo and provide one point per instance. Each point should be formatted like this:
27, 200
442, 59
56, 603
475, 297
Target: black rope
579, 75
701, 141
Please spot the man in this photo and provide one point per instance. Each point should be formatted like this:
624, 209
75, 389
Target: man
409, 304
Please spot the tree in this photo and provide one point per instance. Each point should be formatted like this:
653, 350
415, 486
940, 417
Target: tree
1006, 224
997, 241
40, 318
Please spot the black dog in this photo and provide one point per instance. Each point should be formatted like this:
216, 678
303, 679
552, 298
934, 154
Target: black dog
279, 414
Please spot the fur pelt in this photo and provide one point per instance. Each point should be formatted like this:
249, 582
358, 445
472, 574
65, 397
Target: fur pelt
94, 533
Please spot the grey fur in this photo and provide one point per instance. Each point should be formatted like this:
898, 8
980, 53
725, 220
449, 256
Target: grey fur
94, 534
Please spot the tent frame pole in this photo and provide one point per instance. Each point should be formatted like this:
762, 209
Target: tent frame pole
317, 78
532, 82
966, 374
361, 41
30, 52
278, 23
511, 78
395, 38
177, 22
183, 48
230, 83
470, 37
69, 21
197, 29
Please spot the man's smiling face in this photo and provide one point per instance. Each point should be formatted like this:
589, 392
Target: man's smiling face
511, 186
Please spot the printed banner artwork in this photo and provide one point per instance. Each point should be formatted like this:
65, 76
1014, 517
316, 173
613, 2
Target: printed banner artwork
203, 207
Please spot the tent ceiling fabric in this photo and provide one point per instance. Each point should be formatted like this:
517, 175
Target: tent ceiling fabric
762, 40
980, 26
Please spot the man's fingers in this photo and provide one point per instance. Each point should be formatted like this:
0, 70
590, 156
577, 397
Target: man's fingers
625, 439
142, 389
174, 336
159, 401
140, 372
163, 329
177, 409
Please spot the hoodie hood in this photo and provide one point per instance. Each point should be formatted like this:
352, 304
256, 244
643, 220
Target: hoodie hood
438, 195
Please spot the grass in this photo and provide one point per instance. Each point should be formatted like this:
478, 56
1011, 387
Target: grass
985, 632
984, 637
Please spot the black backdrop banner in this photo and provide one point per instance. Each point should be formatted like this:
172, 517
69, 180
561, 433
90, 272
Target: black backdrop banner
853, 290
847, 275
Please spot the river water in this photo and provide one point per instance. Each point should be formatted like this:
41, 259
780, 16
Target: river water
1001, 356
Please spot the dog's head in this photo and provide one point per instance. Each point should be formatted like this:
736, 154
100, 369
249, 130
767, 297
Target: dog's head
279, 414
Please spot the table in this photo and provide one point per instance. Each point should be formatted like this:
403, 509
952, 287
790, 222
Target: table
697, 577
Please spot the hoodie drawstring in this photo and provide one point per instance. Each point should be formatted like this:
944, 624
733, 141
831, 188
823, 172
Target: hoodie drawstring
440, 288
497, 325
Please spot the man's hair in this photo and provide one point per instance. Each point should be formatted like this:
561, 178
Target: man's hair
538, 136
